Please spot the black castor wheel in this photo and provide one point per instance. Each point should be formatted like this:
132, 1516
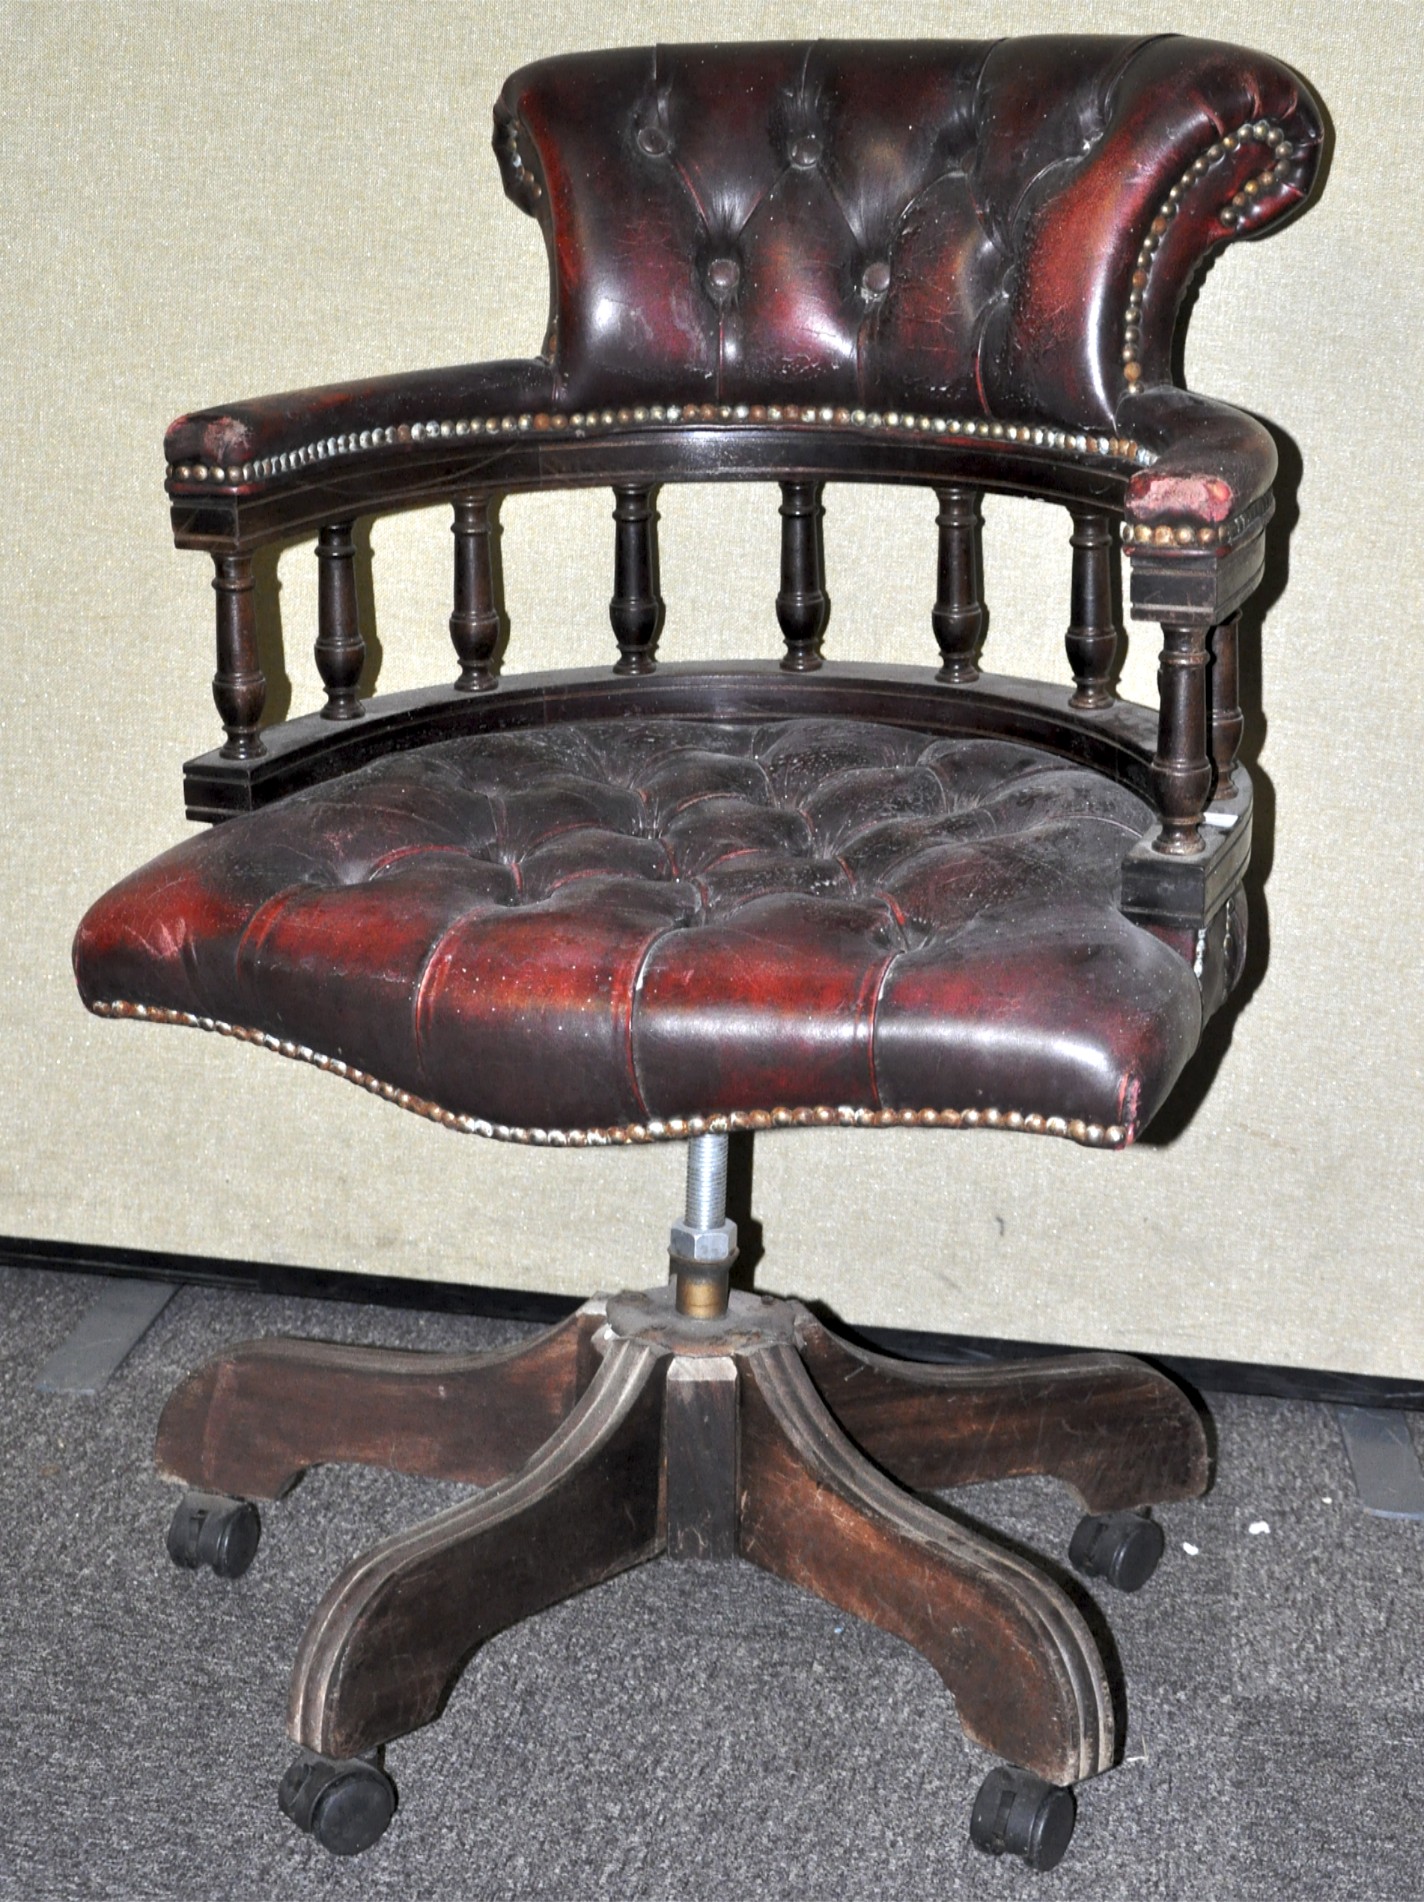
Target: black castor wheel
211, 1529
1121, 1547
345, 1803
1018, 1814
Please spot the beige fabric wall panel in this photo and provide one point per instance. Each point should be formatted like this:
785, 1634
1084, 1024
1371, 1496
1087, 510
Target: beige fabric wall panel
206, 202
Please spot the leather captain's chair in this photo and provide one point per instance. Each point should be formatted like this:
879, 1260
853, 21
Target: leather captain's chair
646, 903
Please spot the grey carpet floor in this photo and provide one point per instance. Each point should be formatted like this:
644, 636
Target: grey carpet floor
683, 1731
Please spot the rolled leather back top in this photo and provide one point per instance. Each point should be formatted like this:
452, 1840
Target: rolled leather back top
1002, 229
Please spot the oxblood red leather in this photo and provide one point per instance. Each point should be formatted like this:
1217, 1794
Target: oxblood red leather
595, 924
953, 226
949, 224
268, 425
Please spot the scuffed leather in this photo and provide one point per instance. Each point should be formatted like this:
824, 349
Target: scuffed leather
272, 425
1212, 461
598, 923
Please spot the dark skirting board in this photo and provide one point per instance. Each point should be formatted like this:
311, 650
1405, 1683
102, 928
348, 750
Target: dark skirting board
1329, 1386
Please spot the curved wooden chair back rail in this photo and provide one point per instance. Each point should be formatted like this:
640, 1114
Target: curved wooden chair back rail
1191, 756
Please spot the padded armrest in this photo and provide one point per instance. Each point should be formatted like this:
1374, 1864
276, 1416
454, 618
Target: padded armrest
1002, 232
1214, 465
298, 424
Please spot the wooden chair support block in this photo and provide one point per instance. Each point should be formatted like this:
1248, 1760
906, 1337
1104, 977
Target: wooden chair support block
1113, 1429
254, 1419
390, 1636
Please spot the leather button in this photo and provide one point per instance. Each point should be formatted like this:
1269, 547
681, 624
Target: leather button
875, 278
724, 275
806, 151
653, 141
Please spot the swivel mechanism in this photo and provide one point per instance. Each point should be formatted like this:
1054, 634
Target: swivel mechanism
703, 1245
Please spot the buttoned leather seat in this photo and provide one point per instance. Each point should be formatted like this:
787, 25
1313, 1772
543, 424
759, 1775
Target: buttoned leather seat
639, 925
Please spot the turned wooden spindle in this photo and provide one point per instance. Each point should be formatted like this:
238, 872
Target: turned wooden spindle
239, 685
340, 650
636, 609
475, 625
1091, 639
958, 612
1228, 723
1181, 771
803, 607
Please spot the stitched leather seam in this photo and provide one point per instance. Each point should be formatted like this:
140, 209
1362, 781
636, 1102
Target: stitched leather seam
873, 1014
635, 992
656, 1129
267, 914
418, 997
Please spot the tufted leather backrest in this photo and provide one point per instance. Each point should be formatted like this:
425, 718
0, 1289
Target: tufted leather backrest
1000, 228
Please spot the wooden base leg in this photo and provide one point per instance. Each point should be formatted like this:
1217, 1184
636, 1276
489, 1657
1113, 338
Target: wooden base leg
393, 1631
1027, 1677
1115, 1430
253, 1419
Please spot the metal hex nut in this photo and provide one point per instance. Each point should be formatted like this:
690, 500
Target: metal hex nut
703, 1244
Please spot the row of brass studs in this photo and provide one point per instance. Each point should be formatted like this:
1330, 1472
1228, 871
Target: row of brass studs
1255, 132
656, 1129
581, 422
1181, 534
1197, 535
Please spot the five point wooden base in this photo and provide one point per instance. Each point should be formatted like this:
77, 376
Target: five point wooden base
632, 1431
